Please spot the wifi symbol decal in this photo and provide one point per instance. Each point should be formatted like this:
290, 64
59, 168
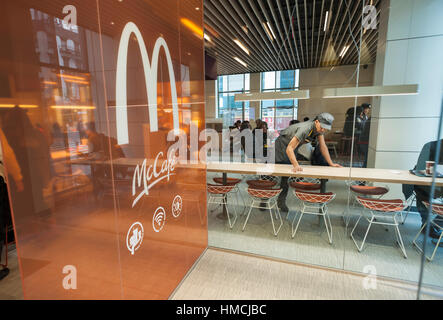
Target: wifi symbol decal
159, 219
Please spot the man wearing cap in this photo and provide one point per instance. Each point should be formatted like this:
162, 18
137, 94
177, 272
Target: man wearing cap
363, 139
292, 138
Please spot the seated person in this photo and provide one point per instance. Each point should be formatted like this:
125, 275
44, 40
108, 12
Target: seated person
423, 192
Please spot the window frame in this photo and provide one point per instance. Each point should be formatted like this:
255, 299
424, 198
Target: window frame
229, 92
294, 106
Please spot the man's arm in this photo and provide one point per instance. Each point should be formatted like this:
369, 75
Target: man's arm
325, 152
291, 154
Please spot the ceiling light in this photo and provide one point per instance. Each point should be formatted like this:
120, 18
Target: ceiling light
373, 91
73, 107
326, 21
343, 52
27, 106
237, 42
197, 8
245, 29
192, 26
265, 96
269, 30
208, 38
70, 77
241, 62
50, 83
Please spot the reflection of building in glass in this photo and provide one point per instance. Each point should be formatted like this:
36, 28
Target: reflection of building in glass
64, 76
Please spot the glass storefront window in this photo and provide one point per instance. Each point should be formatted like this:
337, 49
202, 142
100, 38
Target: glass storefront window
274, 82
227, 108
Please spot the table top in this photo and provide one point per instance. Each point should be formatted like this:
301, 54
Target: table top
320, 172
356, 174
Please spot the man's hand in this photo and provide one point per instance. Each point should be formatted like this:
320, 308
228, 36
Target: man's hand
297, 169
336, 165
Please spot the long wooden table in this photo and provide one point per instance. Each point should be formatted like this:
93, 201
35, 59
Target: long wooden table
322, 173
355, 174
319, 172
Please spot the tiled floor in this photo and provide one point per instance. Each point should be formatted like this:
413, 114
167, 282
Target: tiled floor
223, 275
11, 286
310, 245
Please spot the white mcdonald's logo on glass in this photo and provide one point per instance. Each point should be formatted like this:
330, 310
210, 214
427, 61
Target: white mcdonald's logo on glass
151, 74
146, 175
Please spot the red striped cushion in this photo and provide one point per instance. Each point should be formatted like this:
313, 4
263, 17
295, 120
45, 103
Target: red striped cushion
382, 205
219, 189
305, 185
314, 197
368, 190
436, 208
264, 193
229, 181
261, 184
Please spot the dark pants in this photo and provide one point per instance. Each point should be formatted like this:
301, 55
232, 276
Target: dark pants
424, 213
284, 186
5, 212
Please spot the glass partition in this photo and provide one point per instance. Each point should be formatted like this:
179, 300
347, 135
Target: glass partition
99, 94
401, 130
379, 75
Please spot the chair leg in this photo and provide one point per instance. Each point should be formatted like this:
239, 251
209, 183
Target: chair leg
328, 227
435, 249
247, 217
400, 241
296, 228
366, 234
273, 225
275, 211
225, 200
406, 216
416, 237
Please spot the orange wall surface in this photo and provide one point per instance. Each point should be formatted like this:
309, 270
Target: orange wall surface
86, 226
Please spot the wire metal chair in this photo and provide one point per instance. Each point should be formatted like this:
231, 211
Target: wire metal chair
267, 199
378, 208
437, 209
314, 204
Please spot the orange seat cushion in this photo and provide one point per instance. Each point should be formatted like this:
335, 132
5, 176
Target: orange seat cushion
219, 189
261, 184
264, 193
314, 197
382, 205
368, 190
436, 208
229, 181
300, 185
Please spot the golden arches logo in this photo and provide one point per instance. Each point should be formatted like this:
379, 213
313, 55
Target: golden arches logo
151, 78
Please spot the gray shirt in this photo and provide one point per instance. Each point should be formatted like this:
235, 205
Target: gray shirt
304, 131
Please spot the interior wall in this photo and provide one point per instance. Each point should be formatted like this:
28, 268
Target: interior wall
409, 52
314, 80
210, 98
318, 79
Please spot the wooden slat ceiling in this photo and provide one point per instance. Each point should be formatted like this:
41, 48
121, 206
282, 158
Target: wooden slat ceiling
300, 40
